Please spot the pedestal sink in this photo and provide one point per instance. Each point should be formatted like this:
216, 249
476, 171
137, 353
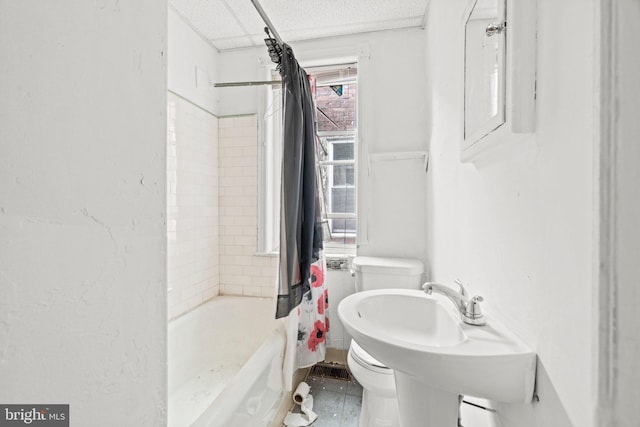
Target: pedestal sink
436, 357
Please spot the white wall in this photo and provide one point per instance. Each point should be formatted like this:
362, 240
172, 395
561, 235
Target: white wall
518, 227
82, 208
193, 64
192, 206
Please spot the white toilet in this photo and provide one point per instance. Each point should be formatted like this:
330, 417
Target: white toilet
379, 401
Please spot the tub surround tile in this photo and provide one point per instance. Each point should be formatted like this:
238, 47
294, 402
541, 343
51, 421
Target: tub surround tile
242, 272
212, 206
192, 206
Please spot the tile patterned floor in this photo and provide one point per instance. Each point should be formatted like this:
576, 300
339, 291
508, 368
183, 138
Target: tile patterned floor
337, 402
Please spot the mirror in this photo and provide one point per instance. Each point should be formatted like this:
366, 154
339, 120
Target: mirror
484, 70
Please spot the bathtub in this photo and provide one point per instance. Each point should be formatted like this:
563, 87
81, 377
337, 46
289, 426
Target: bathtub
225, 364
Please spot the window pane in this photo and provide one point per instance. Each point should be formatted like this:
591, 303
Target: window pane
343, 175
342, 226
343, 238
336, 125
343, 151
340, 110
343, 200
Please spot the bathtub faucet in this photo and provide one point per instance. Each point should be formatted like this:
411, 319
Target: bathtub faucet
469, 308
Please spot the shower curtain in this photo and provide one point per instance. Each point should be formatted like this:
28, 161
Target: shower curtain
302, 293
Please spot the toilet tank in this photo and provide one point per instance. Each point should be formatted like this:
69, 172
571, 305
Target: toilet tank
386, 273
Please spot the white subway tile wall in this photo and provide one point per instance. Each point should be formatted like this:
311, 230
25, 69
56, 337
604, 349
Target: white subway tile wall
192, 206
242, 271
212, 208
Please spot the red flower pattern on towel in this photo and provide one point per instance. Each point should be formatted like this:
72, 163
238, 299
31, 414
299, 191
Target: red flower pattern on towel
317, 276
317, 335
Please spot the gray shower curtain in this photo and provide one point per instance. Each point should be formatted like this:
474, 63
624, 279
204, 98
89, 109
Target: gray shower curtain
300, 225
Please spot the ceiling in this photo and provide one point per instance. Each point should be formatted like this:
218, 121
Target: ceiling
230, 24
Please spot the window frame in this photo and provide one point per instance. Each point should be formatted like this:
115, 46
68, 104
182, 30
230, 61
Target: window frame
333, 247
353, 136
268, 210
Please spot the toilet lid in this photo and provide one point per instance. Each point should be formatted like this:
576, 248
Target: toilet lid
365, 359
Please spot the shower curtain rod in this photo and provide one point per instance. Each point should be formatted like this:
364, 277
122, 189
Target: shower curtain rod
267, 21
276, 36
269, 82
259, 83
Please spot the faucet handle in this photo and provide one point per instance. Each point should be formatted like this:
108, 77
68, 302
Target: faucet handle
463, 290
473, 313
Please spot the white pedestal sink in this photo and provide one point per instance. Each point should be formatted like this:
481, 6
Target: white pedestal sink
437, 357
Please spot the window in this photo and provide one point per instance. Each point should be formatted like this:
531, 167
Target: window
336, 163
335, 96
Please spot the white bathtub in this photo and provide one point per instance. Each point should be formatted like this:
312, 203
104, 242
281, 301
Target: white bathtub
225, 364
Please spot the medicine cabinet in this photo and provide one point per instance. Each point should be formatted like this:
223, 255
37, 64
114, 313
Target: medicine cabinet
499, 74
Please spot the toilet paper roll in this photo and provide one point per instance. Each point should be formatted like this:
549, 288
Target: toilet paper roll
301, 392
306, 418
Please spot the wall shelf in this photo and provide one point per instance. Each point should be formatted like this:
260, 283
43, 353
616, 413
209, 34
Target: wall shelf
399, 155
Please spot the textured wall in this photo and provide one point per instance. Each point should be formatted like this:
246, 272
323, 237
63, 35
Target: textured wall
82, 208
192, 65
192, 202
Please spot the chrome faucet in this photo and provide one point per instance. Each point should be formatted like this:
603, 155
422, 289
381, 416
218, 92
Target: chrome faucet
469, 308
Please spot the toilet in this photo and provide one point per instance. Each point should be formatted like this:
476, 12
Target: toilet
379, 401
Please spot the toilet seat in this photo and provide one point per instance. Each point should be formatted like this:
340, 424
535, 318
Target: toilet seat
367, 361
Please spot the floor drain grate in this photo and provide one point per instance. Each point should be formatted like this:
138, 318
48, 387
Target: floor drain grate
330, 371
